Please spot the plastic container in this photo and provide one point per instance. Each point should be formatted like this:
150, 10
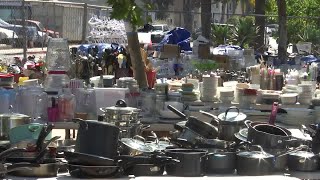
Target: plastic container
66, 105
56, 80
58, 55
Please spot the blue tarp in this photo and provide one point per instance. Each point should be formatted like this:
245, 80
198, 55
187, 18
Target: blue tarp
310, 59
178, 36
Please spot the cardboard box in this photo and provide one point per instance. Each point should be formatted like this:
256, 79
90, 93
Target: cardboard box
223, 61
168, 51
204, 51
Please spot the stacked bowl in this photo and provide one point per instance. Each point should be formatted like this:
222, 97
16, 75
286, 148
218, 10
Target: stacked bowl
209, 87
306, 93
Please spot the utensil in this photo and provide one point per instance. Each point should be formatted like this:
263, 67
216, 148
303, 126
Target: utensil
192, 162
227, 123
77, 158
200, 127
106, 144
273, 114
80, 171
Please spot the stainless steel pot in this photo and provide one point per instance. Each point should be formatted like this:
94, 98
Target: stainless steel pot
303, 161
11, 120
120, 112
131, 130
228, 123
135, 146
221, 161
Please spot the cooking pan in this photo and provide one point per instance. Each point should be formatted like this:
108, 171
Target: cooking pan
80, 171
77, 158
202, 128
270, 136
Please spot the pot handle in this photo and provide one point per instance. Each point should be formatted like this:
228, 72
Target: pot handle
101, 109
176, 111
231, 108
215, 119
247, 123
258, 147
81, 122
138, 137
10, 151
121, 103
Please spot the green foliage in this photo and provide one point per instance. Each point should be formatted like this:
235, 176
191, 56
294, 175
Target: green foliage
129, 11
204, 65
299, 29
220, 34
244, 32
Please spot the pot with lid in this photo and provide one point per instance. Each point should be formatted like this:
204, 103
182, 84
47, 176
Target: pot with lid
11, 120
120, 112
228, 123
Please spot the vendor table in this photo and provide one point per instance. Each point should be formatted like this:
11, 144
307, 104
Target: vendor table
253, 114
289, 176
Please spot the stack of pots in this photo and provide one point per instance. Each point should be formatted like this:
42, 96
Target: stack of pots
126, 118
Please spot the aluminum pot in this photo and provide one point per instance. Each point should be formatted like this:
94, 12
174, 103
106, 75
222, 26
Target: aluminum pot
192, 162
120, 112
135, 146
228, 123
303, 161
11, 120
268, 136
221, 161
131, 130
254, 163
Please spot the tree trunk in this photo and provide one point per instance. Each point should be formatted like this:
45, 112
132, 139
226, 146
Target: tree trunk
206, 18
260, 23
188, 18
282, 46
223, 10
136, 59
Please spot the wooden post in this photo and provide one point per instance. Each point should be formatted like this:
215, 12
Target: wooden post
24, 32
282, 46
84, 22
136, 59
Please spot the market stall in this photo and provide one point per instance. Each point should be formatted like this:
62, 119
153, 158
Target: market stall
225, 116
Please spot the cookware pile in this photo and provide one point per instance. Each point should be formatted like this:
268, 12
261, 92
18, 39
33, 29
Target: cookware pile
228, 144
124, 117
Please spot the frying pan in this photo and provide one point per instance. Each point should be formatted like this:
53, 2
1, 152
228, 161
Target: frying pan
80, 171
202, 128
77, 158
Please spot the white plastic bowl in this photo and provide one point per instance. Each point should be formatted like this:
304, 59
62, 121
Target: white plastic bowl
289, 98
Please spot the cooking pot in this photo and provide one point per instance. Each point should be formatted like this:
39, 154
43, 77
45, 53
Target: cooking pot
228, 123
268, 136
135, 146
254, 163
132, 129
97, 138
221, 161
120, 112
11, 120
80, 171
303, 160
192, 162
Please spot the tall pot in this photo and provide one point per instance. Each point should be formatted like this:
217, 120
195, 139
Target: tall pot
192, 162
97, 138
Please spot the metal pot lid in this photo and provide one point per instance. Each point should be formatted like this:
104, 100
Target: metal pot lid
255, 154
232, 117
13, 116
137, 144
302, 154
243, 132
122, 110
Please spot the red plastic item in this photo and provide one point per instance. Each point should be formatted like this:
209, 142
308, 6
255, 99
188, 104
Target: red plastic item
151, 77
